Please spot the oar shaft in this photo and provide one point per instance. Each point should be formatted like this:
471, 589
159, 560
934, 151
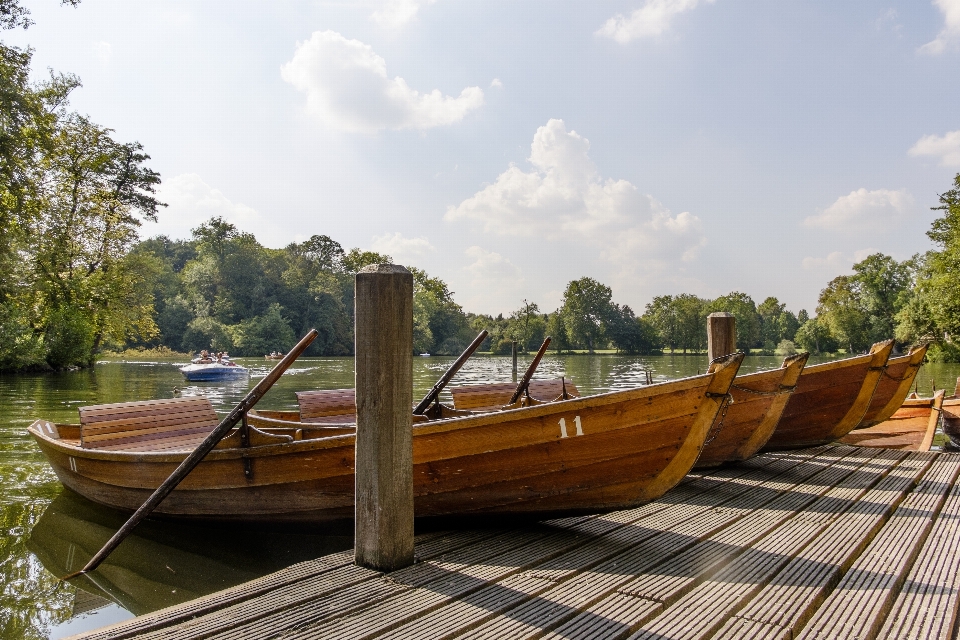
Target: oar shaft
529, 374
452, 371
198, 454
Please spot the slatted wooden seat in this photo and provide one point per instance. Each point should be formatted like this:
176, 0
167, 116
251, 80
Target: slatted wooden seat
177, 424
479, 397
330, 406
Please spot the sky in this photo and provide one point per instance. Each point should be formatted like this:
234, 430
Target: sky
658, 146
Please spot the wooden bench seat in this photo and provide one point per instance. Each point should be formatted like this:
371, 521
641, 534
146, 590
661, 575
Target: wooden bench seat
177, 424
480, 397
330, 406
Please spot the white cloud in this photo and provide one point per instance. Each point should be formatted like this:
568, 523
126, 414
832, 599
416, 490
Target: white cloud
347, 88
104, 51
191, 202
650, 20
401, 248
564, 197
862, 207
490, 272
496, 83
946, 147
950, 34
836, 261
396, 13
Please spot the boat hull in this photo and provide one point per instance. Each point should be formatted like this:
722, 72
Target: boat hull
205, 373
745, 426
893, 387
911, 428
609, 451
829, 400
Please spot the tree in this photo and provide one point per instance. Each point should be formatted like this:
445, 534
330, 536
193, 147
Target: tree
839, 308
814, 336
586, 310
883, 286
96, 192
744, 310
932, 309
631, 334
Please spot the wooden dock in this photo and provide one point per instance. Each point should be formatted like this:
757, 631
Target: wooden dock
832, 542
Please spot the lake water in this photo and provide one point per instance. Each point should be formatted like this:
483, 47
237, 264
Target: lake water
47, 532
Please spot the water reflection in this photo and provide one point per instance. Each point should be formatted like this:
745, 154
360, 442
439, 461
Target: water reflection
33, 604
165, 563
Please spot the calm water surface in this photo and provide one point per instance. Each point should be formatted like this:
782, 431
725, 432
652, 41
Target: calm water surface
47, 532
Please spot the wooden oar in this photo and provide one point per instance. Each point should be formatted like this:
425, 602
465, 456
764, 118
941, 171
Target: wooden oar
198, 454
525, 381
452, 371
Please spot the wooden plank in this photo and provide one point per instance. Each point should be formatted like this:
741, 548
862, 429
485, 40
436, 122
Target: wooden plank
861, 600
926, 605
601, 582
703, 610
794, 595
389, 614
620, 554
430, 545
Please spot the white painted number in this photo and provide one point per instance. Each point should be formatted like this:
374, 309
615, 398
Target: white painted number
73, 464
563, 427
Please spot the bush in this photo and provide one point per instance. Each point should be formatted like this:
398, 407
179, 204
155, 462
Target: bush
68, 337
943, 352
786, 348
264, 334
207, 333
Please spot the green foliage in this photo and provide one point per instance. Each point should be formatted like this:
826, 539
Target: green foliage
814, 336
587, 309
71, 201
786, 348
264, 333
744, 310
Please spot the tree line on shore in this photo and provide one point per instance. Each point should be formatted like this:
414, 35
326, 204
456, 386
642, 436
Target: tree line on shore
76, 280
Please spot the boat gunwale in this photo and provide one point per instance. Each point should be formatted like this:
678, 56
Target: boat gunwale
426, 428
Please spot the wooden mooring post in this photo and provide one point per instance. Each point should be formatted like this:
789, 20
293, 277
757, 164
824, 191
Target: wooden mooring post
384, 389
721, 334
514, 362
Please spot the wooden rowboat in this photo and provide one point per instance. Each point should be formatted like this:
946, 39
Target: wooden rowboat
830, 400
910, 428
608, 451
894, 386
744, 426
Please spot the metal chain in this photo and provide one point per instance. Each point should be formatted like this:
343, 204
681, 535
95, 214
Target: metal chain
780, 389
715, 431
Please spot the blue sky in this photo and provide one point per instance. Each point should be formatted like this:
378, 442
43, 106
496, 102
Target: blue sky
659, 146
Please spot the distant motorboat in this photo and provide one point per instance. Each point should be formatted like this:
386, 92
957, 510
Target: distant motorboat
223, 369
424, 355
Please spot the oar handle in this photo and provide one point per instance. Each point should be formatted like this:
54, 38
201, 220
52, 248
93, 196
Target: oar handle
198, 454
452, 371
529, 374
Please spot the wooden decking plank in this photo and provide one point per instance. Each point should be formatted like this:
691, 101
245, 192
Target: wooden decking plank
794, 594
434, 543
552, 607
391, 613
674, 577
737, 628
618, 613
464, 613
418, 605
926, 605
703, 611
460, 572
